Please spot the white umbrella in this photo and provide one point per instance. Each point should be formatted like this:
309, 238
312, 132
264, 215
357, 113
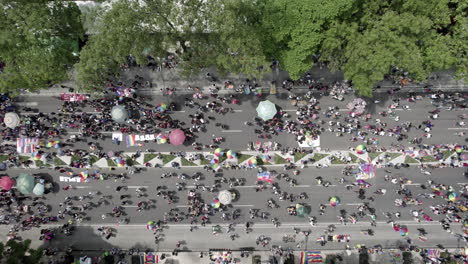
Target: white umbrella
225, 197
38, 189
266, 110
11, 120
119, 113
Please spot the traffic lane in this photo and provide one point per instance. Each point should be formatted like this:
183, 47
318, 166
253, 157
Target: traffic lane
88, 238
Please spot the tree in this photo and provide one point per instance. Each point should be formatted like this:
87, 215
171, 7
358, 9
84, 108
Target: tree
38, 43
14, 252
415, 36
297, 27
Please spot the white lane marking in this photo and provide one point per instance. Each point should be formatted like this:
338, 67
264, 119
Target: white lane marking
129, 206
457, 128
238, 111
231, 131
82, 187
136, 187
462, 183
26, 103
256, 225
353, 204
76, 132
344, 110
331, 185
182, 111
243, 205
289, 110
74, 113
412, 184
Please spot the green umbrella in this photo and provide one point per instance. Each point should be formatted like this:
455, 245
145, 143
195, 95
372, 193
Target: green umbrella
25, 183
266, 110
119, 113
301, 210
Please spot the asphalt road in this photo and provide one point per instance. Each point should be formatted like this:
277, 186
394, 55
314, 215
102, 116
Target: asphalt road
238, 134
236, 138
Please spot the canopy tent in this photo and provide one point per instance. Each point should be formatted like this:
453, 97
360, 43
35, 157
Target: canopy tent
177, 137
119, 113
25, 183
11, 120
6, 183
266, 110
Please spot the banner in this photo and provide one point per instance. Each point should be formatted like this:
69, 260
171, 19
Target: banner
133, 139
73, 97
311, 257
26, 145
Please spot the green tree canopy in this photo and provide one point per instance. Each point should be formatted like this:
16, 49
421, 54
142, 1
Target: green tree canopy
415, 36
19, 253
38, 43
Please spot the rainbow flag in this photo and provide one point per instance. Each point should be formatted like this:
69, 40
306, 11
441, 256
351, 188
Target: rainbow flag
131, 140
311, 257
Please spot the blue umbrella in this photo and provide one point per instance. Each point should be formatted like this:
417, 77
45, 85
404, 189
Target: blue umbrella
266, 110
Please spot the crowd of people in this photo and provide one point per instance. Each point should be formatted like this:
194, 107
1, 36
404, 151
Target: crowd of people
310, 119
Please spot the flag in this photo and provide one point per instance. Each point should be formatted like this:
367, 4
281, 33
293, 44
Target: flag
311, 257
131, 141
433, 253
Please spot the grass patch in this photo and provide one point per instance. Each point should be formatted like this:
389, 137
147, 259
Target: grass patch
222, 158
40, 163
409, 160
23, 158
93, 159
319, 156
59, 162
111, 163
149, 157
242, 157
374, 155
355, 159
299, 155
186, 162
428, 159
204, 161
260, 162
3, 158
393, 155
280, 160
447, 154
336, 160
167, 158
75, 158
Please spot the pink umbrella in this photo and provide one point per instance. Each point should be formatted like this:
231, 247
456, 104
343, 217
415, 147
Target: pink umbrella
6, 183
177, 137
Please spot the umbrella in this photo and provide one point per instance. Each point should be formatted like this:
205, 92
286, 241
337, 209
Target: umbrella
162, 107
119, 113
464, 156
252, 161
266, 110
453, 196
161, 138
36, 155
11, 120
225, 197
110, 154
301, 210
38, 189
215, 203
423, 153
177, 137
231, 154
334, 201
25, 183
361, 149
6, 183
404, 231
84, 174
266, 158
458, 149
218, 152
120, 162
3, 166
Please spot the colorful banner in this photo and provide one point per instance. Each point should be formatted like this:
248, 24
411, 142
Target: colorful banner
311, 257
131, 140
26, 145
73, 97
149, 258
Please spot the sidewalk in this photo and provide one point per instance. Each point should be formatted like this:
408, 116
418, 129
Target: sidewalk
170, 78
242, 159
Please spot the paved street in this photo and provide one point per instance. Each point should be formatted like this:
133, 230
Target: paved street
106, 194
